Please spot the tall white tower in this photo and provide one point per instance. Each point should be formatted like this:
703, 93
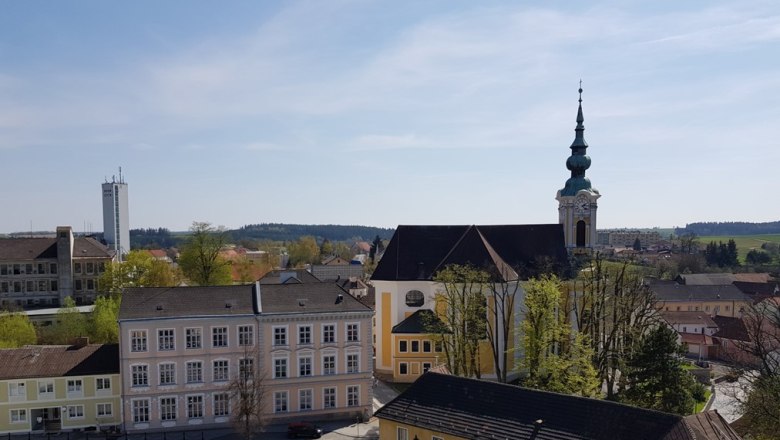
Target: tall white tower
116, 219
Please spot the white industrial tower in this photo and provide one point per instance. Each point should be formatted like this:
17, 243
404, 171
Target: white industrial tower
116, 220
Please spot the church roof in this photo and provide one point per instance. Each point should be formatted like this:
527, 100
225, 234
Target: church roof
509, 252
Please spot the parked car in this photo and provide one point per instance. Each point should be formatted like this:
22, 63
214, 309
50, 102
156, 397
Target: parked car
303, 430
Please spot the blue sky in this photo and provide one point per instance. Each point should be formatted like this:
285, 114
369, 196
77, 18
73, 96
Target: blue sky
386, 113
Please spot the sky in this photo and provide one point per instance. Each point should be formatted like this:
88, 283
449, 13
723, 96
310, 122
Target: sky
382, 113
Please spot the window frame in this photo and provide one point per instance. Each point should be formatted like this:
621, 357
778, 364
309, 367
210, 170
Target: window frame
166, 339
193, 338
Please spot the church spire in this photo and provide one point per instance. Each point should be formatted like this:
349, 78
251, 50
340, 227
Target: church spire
578, 162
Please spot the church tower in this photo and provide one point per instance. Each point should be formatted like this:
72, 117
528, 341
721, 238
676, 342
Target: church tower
577, 200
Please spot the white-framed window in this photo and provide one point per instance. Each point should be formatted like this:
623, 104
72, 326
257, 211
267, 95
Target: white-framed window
353, 362
75, 411
138, 340
280, 336
328, 364
353, 332
167, 373
403, 346
140, 410
304, 366
426, 346
415, 346
329, 397
193, 338
280, 367
328, 333
166, 339
246, 368
168, 408
18, 415
221, 404
219, 337
45, 389
353, 395
402, 434
220, 370
403, 368
425, 367
103, 383
104, 410
194, 371
77, 268
280, 401
139, 375
17, 389
195, 406
305, 399
304, 335
75, 386
246, 335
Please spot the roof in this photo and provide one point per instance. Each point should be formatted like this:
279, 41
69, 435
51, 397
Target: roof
508, 251
476, 409
301, 276
58, 360
170, 302
88, 247
695, 338
688, 318
730, 328
418, 322
758, 289
710, 279
685, 292
319, 297
26, 249
710, 425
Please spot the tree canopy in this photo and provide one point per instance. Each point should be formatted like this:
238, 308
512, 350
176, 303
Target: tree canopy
200, 258
16, 330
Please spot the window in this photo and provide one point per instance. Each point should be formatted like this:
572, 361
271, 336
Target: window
280, 368
76, 411
53, 284
18, 415
280, 401
17, 269
194, 372
415, 346
17, 389
414, 298
426, 346
105, 410
90, 284
74, 386
103, 383
193, 338
140, 375
53, 268
403, 368
195, 406
220, 370
246, 368
167, 408
353, 334
221, 404
353, 362
438, 347
280, 336
728, 308
77, 267
167, 373
45, 388
219, 337
141, 411
402, 433
304, 335
403, 346
329, 364
685, 329
304, 400
304, 366
328, 333
426, 366
138, 340
328, 398
246, 335
165, 340
353, 395
90, 267
77, 286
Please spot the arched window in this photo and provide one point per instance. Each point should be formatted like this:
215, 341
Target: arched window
580, 233
414, 298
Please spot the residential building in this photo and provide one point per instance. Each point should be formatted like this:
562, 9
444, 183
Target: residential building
626, 238
725, 300
405, 278
59, 388
717, 279
445, 407
309, 342
116, 217
39, 272
695, 330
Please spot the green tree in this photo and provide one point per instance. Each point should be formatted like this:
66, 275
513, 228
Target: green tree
755, 257
70, 324
139, 269
200, 258
326, 248
16, 330
304, 251
105, 315
637, 244
655, 376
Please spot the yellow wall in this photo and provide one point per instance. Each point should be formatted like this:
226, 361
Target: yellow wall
725, 308
414, 360
388, 429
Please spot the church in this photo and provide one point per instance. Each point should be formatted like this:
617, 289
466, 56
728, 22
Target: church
405, 284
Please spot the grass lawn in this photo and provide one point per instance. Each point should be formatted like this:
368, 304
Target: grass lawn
744, 242
700, 405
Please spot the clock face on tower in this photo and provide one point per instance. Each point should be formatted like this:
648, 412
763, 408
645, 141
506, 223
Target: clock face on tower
581, 205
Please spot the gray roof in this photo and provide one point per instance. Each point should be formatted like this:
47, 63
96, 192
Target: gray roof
319, 297
28, 249
171, 302
58, 360
685, 292
300, 276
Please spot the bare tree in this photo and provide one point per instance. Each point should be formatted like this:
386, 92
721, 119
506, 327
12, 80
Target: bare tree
501, 302
247, 395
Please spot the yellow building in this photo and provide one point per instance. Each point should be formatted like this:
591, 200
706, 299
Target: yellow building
720, 300
59, 388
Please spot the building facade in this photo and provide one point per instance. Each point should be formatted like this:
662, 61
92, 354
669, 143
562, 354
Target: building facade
116, 217
39, 272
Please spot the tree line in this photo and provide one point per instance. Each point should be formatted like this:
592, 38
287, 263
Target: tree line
729, 228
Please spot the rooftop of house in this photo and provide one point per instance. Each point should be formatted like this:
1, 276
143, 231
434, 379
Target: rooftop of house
320, 297
279, 276
58, 360
685, 292
471, 408
508, 252
758, 289
693, 318
421, 321
29, 249
731, 328
710, 279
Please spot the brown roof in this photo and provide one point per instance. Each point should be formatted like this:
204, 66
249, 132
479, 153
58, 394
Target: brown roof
731, 328
58, 360
696, 338
688, 318
710, 425
27, 249
88, 247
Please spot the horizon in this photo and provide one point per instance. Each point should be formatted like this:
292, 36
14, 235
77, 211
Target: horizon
354, 113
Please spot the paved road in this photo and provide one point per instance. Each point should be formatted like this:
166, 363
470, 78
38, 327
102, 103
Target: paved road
727, 396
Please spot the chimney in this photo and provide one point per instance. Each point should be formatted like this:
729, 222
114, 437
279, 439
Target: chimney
339, 298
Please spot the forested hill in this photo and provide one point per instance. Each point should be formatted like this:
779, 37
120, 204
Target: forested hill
289, 232
729, 228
